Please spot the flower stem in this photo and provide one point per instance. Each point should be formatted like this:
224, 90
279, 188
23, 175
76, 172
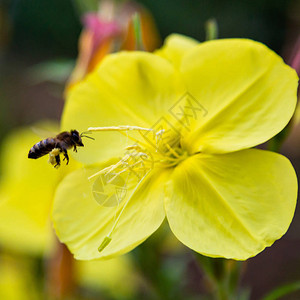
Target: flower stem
154, 265
211, 28
139, 43
60, 283
223, 276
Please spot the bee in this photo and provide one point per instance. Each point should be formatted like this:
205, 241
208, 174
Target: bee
57, 145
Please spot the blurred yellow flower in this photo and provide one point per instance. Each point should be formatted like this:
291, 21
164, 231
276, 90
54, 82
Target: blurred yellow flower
27, 189
116, 277
192, 112
16, 281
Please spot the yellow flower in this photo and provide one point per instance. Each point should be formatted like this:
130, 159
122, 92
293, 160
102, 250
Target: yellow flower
16, 280
186, 121
27, 189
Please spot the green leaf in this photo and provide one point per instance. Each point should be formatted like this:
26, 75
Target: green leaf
283, 290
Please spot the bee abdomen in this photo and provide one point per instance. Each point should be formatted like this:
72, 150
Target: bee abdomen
42, 148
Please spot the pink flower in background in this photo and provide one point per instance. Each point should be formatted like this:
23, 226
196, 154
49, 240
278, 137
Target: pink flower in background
110, 30
100, 29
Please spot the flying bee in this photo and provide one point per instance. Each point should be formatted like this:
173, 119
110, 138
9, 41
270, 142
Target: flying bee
57, 145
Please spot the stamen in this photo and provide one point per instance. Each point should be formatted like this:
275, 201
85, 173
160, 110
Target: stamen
138, 162
160, 132
127, 168
133, 139
155, 147
158, 137
108, 238
109, 169
119, 128
172, 150
133, 147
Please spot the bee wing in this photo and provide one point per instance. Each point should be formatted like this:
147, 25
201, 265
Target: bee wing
45, 129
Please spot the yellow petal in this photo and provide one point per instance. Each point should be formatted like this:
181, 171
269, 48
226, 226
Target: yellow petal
248, 93
82, 224
129, 88
175, 47
231, 205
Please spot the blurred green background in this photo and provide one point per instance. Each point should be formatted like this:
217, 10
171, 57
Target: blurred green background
37, 31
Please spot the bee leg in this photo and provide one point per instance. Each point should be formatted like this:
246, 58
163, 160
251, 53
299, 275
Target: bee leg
57, 159
75, 149
66, 156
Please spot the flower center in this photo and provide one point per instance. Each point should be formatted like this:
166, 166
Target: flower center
154, 149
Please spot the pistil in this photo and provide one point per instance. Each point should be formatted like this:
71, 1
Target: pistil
139, 160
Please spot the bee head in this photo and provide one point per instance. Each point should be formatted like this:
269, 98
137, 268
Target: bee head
76, 138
